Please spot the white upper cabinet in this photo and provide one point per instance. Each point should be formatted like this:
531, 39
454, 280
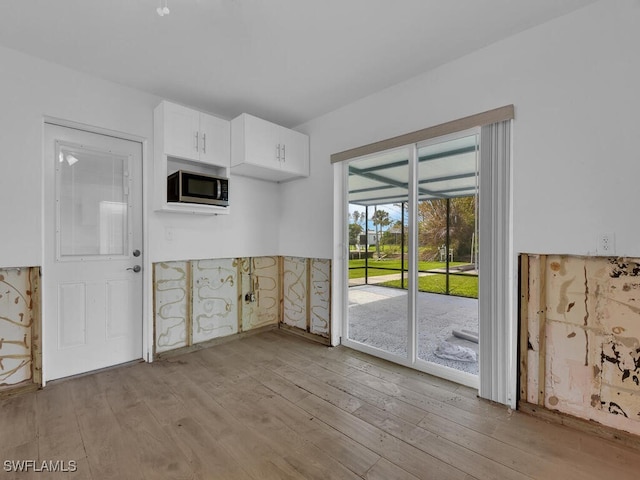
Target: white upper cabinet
192, 135
267, 151
185, 139
215, 140
294, 152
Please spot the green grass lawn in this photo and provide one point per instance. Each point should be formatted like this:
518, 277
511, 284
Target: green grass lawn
460, 285
395, 264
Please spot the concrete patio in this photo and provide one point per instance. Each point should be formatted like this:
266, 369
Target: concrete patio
377, 318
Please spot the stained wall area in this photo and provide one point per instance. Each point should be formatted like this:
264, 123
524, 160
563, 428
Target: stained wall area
19, 328
200, 300
580, 337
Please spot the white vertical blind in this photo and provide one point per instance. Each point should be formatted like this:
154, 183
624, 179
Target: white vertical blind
497, 350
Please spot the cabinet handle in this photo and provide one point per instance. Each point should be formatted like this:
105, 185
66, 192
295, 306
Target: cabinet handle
278, 152
196, 141
204, 143
284, 153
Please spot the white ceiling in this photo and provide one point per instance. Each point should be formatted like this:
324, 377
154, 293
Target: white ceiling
284, 60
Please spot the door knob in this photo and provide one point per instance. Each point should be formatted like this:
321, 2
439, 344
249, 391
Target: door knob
135, 268
136, 253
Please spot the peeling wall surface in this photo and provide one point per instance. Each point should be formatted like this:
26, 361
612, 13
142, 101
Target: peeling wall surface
199, 300
16, 322
589, 343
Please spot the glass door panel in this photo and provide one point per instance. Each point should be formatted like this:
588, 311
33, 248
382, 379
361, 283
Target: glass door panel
378, 238
446, 300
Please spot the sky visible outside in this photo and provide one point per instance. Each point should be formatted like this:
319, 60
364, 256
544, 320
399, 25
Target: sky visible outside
395, 213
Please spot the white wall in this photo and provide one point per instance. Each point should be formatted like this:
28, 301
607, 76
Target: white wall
250, 229
576, 159
574, 82
31, 89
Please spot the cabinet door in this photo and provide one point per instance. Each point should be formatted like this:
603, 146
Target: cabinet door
295, 158
181, 131
215, 140
261, 142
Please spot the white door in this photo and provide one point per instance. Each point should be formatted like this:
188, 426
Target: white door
92, 279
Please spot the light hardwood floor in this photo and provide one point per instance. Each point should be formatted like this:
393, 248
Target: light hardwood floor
273, 406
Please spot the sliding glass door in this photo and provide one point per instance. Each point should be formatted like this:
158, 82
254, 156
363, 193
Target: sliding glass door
413, 276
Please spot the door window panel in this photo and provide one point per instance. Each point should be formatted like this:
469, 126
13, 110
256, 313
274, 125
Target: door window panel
92, 202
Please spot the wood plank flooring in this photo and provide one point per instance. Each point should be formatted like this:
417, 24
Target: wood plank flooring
275, 406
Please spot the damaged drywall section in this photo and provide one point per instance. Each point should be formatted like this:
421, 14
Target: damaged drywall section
20, 347
214, 292
580, 337
260, 292
197, 301
307, 296
171, 297
320, 297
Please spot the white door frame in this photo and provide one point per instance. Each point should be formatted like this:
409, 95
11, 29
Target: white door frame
147, 325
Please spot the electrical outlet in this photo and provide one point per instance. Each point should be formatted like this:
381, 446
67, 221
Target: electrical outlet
606, 244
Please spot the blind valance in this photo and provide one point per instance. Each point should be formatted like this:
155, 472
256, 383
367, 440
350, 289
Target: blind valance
478, 120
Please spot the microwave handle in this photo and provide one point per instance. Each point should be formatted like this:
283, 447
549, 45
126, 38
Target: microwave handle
218, 189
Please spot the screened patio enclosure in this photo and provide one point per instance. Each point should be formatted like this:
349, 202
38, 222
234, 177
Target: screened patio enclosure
447, 212
439, 180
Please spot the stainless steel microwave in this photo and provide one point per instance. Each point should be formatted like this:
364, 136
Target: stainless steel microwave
190, 187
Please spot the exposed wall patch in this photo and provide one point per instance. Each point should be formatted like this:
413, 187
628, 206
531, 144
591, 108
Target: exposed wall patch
200, 300
587, 353
19, 327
